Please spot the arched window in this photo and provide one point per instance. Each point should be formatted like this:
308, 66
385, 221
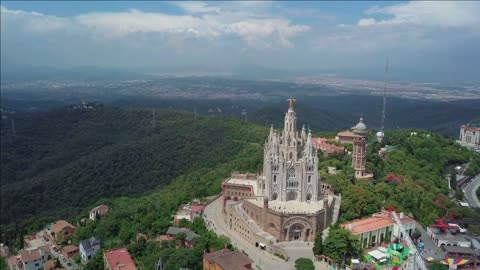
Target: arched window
274, 179
274, 196
309, 197
291, 155
291, 172
309, 178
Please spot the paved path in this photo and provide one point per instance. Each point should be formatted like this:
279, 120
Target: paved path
261, 259
470, 192
430, 249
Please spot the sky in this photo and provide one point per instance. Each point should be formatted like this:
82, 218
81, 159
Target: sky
430, 39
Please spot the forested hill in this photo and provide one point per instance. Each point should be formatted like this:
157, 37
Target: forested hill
64, 160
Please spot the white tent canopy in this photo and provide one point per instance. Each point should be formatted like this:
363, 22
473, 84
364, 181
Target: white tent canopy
378, 255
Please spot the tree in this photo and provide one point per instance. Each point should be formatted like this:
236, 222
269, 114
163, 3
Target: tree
318, 245
341, 244
304, 264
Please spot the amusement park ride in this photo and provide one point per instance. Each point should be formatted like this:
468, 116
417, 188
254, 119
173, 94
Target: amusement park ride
415, 261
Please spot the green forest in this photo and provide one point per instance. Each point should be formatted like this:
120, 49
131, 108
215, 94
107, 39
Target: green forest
61, 163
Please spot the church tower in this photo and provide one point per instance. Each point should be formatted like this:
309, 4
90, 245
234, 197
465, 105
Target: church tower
359, 153
290, 166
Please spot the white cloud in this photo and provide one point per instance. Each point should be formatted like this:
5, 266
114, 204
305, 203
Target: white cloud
431, 13
267, 30
196, 7
366, 22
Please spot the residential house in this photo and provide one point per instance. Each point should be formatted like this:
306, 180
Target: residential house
14, 262
50, 265
225, 259
172, 233
62, 230
33, 259
379, 228
4, 252
326, 148
188, 212
345, 137
88, 249
118, 259
100, 210
70, 251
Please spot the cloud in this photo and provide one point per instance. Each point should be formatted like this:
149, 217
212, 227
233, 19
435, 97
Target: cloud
430, 13
366, 22
253, 30
197, 7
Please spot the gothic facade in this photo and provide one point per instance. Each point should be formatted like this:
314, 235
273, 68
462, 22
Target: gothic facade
290, 163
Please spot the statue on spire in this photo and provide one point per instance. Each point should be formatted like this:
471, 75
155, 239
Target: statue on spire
290, 103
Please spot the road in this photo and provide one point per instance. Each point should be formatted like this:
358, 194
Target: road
430, 248
470, 192
261, 259
63, 261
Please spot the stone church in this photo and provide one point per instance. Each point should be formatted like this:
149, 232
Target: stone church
286, 201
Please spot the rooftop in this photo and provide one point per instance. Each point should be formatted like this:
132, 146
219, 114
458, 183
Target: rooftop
232, 260
448, 236
102, 209
377, 221
119, 259
290, 207
243, 182
346, 134
30, 255
60, 225
190, 235
89, 243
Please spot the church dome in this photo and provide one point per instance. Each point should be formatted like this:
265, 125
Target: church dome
360, 126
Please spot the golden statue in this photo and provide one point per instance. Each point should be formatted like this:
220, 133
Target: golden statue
290, 103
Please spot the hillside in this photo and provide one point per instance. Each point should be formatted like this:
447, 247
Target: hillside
61, 161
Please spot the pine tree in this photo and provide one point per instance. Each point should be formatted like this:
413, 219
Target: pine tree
318, 244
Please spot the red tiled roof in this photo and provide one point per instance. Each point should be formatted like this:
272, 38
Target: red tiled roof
119, 259
69, 249
377, 221
232, 260
197, 208
30, 255
471, 128
102, 209
14, 260
60, 225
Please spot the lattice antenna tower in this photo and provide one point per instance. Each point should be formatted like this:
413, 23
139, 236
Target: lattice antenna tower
381, 134
382, 121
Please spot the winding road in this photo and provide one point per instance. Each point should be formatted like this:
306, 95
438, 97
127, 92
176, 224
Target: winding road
470, 192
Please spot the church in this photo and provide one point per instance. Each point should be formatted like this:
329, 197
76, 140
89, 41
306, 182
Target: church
286, 201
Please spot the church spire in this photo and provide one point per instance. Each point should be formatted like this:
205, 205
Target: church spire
290, 103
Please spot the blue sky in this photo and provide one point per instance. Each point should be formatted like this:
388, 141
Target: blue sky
438, 38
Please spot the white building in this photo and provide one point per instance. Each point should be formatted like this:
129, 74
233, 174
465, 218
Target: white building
379, 228
290, 165
470, 135
33, 259
88, 249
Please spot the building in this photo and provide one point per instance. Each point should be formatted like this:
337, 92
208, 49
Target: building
33, 259
359, 153
50, 265
345, 137
379, 228
447, 238
118, 259
70, 251
4, 252
62, 230
100, 210
470, 135
172, 233
88, 248
326, 148
226, 260
14, 263
188, 212
286, 201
